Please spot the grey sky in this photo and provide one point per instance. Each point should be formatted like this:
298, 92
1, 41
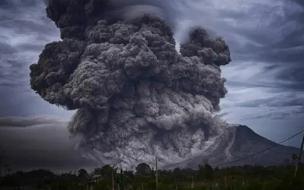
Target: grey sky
45, 145
264, 80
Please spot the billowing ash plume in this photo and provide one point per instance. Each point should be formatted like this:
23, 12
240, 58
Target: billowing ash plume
136, 96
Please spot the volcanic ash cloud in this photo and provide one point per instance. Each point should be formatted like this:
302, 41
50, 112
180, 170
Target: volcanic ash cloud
136, 96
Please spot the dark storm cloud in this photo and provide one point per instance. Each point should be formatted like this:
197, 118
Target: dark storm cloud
267, 38
27, 121
23, 27
286, 46
292, 74
275, 115
6, 48
276, 102
280, 39
259, 32
264, 33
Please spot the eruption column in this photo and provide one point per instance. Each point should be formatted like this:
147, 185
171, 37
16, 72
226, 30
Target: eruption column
135, 95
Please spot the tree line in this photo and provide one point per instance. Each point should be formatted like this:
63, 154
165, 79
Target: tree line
143, 178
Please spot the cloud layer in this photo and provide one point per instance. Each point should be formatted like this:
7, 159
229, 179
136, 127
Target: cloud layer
265, 37
28, 121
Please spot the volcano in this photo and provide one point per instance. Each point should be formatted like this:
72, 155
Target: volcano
238, 146
137, 95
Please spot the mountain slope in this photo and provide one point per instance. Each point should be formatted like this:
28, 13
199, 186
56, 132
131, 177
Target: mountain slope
239, 145
249, 143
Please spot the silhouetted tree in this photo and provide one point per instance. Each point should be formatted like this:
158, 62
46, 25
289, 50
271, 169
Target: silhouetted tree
105, 171
2, 164
143, 169
206, 171
83, 174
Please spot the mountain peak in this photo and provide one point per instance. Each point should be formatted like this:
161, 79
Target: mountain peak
239, 145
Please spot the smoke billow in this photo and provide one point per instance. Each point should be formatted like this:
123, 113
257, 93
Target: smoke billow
136, 96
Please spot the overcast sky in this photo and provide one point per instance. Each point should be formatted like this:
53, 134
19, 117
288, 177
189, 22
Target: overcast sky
265, 80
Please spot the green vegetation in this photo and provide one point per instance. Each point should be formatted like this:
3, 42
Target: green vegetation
205, 178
